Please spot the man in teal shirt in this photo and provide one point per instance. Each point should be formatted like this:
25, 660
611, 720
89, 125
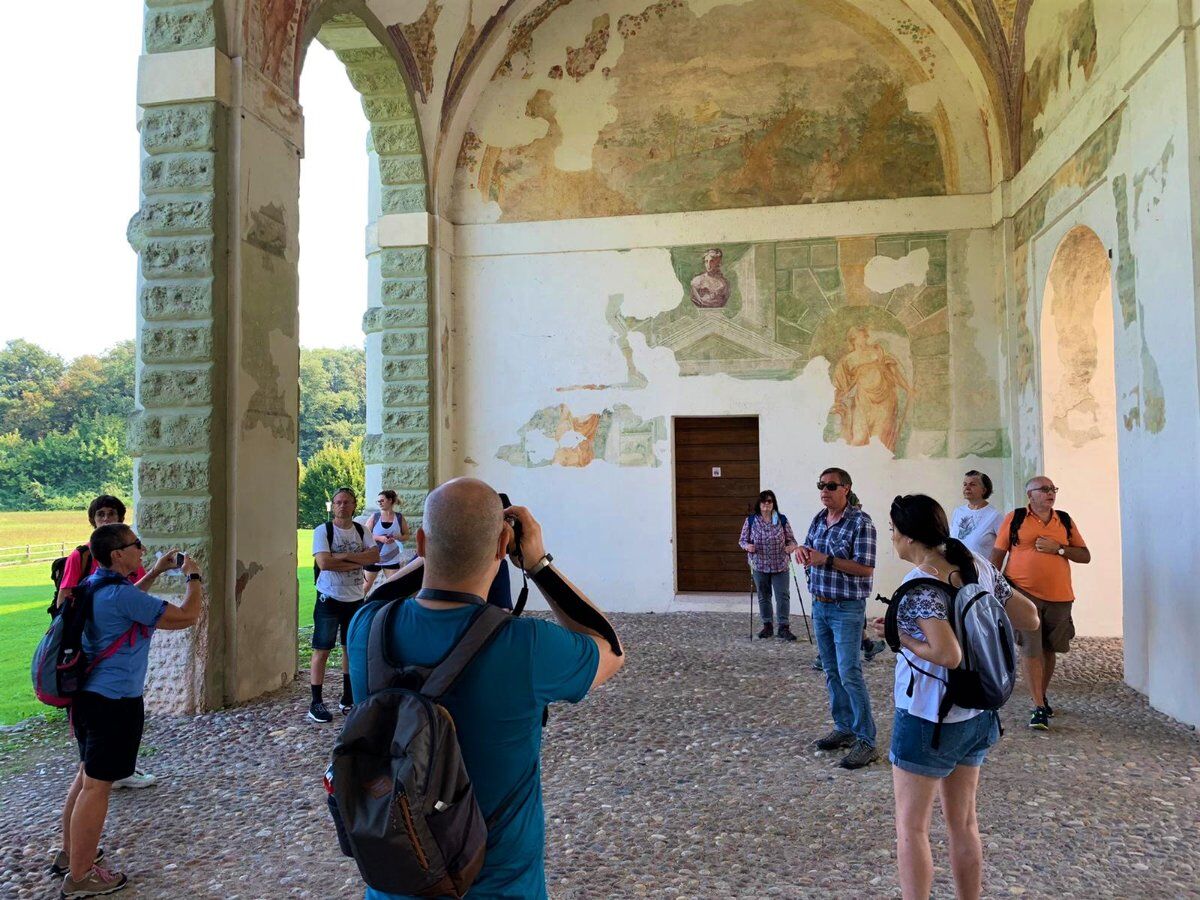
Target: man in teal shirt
498, 702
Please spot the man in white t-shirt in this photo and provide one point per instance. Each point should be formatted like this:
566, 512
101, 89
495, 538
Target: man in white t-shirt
976, 523
340, 550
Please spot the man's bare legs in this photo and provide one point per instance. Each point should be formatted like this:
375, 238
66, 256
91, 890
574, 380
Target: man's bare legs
1036, 678
1049, 661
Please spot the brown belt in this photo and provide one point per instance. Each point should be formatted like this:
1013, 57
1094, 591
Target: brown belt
825, 599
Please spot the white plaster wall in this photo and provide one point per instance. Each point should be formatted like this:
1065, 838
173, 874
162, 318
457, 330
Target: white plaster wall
527, 324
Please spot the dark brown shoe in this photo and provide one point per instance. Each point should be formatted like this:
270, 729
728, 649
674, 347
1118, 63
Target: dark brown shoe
835, 740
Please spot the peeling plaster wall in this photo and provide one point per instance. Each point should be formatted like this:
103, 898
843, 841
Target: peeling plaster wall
1125, 183
565, 396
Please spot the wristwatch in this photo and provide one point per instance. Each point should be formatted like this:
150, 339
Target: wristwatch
539, 565
194, 576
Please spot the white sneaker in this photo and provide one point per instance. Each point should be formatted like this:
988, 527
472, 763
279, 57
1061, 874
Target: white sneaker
138, 779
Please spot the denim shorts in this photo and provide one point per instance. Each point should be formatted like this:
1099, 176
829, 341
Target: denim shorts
961, 744
331, 620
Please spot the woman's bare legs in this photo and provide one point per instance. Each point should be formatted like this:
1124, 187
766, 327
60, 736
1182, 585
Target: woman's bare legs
914, 809
966, 852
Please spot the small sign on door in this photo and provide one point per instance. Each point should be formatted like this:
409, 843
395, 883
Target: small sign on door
716, 471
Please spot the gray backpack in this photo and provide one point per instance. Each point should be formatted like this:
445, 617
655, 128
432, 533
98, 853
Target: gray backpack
399, 792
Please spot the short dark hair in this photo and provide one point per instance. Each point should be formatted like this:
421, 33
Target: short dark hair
983, 479
108, 538
391, 495
105, 501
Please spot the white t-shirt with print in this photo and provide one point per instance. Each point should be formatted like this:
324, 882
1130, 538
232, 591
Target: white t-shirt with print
977, 528
927, 679
349, 585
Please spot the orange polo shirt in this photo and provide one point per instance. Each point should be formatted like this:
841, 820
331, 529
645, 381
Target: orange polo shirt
1045, 575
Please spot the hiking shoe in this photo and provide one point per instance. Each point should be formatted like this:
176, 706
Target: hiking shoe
1039, 719
138, 779
861, 754
872, 649
318, 712
785, 633
345, 705
817, 665
767, 631
835, 740
96, 883
62, 862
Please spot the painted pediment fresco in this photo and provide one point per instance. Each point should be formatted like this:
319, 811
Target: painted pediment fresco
648, 108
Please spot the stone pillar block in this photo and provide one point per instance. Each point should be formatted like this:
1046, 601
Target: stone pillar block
167, 387
159, 302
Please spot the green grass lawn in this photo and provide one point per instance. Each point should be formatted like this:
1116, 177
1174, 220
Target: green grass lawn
25, 592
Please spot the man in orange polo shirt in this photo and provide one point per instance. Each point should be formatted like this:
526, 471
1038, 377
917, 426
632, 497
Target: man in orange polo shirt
1039, 565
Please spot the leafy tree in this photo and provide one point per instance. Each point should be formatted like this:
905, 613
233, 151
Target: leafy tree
28, 375
333, 398
331, 467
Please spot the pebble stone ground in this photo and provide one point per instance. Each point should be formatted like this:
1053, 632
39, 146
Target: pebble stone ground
690, 775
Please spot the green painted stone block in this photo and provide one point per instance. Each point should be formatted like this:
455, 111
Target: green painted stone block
383, 448
405, 394
173, 257
396, 139
829, 279
186, 300
401, 170
173, 475
403, 291
381, 318
413, 499
931, 300
936, 248
198, 549
165, 217
824, 255
388, 108
791, 256
360, 56
161, 387
403, 199
783, 280
178, 173
151, 431
407, 475
895, 248
180, 28
169, 517
401, 262
412, 369
936, 274
930, 371
405, 421
376, 79
931, 411
405, 343
185, 126
176, 343
934, 345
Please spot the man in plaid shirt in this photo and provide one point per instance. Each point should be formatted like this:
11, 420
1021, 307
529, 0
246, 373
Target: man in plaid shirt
838, 555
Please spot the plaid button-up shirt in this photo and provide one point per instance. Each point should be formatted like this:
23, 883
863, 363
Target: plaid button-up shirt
850, 537
768, 539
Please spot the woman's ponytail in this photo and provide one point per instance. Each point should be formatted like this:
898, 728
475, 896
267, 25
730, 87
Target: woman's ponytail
957, 554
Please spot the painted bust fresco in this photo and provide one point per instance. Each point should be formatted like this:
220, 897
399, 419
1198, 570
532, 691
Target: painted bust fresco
710, 289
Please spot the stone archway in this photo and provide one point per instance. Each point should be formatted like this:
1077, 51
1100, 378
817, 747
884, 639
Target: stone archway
215, 431
1079, 418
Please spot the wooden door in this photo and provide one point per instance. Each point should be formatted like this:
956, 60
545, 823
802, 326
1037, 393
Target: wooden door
716, 478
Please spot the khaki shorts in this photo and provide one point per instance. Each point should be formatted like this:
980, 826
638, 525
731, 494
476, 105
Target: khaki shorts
1054, 633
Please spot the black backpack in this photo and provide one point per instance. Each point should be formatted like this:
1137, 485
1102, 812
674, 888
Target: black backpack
1018, 519
59, 566
400, 795
985, 677
329, 541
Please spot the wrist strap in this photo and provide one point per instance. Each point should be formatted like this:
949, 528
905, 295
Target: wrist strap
540, 564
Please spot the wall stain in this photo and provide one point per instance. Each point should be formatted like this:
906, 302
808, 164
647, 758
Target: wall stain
556, 436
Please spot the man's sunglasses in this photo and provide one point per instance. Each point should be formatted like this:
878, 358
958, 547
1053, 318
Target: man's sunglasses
137, 544
1047, 490
828, 485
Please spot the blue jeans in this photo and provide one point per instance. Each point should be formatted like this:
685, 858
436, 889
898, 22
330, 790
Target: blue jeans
838, 627
777, 581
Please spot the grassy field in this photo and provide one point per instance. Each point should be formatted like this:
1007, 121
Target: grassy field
25, 592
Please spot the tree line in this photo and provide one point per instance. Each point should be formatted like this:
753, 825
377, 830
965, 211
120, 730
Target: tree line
63, 425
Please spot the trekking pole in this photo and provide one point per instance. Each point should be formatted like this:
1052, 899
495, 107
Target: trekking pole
800, 597
753, 589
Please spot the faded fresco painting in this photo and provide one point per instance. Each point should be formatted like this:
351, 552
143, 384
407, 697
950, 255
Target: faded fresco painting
658, 111
1060, 48
555, 436
874, 307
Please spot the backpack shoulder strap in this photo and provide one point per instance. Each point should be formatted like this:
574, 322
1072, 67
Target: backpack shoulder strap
1065, 518
85, 560
483, 628
1014, 527
380, 669
329, 534
358, 527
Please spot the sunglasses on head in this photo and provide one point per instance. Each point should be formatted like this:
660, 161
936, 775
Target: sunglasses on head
137, 544
828, 485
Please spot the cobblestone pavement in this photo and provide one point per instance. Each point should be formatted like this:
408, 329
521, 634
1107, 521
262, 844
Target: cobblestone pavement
688, 776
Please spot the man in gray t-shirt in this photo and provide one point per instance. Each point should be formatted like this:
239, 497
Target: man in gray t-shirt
340, 549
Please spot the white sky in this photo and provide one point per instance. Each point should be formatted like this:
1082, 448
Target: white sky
70, 164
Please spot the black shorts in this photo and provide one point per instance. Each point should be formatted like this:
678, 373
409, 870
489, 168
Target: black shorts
331, 620
109, 733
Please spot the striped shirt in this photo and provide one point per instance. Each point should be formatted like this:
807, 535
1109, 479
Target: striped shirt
769, 540
850, 537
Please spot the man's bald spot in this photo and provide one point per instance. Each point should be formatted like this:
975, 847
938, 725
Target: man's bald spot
462, 523
1035, 481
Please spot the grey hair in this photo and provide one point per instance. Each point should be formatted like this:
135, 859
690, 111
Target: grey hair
462, 523
1029, 483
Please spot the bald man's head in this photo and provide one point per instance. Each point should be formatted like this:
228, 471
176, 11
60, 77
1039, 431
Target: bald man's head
462, 524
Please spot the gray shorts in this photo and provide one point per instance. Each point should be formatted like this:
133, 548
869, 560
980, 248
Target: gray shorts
1054, 631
